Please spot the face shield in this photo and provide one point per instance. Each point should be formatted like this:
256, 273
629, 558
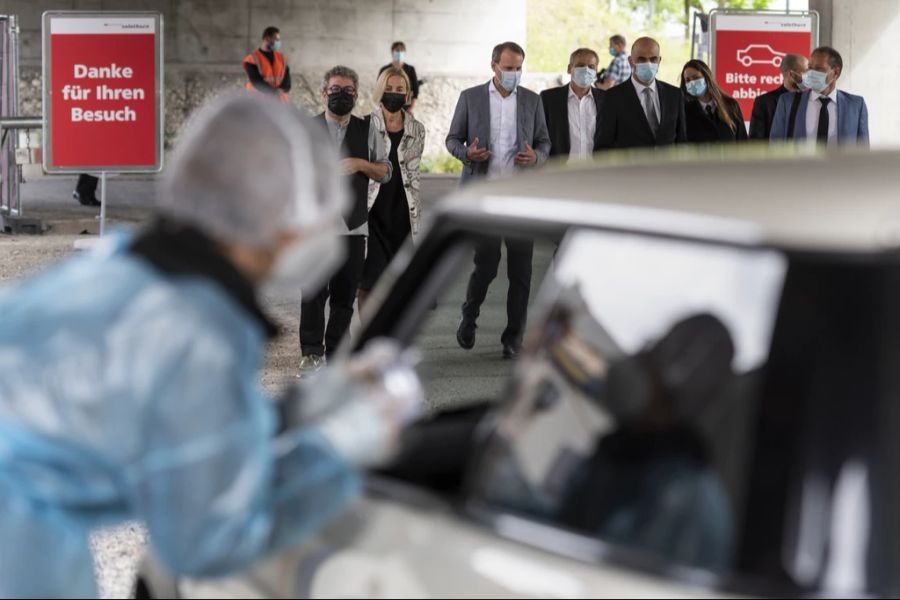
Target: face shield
249, 169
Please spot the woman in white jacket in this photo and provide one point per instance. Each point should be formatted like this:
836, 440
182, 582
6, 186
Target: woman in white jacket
394, 209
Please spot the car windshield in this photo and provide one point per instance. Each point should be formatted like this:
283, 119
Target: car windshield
628, 412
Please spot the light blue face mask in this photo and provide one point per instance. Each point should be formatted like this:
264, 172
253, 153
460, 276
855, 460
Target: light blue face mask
612, 51
584, 76
510, 80
276, 45
398, 56
696, 88
801, 85
646, 72
815, 80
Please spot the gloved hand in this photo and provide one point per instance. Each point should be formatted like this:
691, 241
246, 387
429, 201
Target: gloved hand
381, 394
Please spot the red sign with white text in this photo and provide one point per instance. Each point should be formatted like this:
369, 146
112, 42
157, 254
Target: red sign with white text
102, 99
748, 51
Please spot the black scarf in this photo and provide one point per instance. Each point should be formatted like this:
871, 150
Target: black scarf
175, 249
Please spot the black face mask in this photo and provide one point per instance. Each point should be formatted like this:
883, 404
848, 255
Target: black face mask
340, 103
393, 101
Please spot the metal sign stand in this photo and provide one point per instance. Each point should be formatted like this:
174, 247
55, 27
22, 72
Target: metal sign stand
89, 242
102, 203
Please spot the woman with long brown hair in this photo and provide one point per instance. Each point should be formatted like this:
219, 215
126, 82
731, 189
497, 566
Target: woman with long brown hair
711, 115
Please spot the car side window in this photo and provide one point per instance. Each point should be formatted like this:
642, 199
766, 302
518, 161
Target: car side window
628, 416
461, 385
455, 377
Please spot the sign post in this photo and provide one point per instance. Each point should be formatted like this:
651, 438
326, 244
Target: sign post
747, 47
103, 94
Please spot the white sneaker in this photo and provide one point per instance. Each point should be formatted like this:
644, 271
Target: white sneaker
310, 364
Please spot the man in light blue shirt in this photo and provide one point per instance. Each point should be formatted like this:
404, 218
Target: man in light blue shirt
619, 69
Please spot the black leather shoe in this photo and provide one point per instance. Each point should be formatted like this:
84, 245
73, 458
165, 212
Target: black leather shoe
511, 351
86, 200
465, 334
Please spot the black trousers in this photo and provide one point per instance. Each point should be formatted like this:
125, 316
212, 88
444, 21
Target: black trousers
340, 294
518, 266
87, 185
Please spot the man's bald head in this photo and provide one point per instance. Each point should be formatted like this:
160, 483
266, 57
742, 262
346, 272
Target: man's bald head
644, 46
793, 66
794, 62
644, 59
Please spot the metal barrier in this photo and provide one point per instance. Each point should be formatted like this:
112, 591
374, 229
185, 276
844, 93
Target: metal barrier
14, 152
10, 172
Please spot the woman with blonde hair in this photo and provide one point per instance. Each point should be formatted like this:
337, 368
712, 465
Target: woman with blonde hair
711, 115
394, 208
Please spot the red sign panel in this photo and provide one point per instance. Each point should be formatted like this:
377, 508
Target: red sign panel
102, 94
748, 50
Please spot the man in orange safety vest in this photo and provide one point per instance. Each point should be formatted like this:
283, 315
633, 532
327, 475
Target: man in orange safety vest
266, 68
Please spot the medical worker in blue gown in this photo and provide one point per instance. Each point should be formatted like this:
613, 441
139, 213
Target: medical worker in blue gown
130, 374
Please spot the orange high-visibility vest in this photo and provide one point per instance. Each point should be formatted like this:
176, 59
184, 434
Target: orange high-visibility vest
273, 74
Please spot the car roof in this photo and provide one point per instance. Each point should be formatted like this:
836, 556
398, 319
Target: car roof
794, 198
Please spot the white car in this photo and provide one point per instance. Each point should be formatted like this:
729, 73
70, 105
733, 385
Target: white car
707, 403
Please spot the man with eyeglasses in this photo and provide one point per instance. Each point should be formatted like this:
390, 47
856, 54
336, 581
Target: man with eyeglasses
365, 158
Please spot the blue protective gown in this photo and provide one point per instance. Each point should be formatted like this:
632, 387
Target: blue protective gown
127, 394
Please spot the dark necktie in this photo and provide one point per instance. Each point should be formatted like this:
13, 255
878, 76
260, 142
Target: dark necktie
650, 110
710, 112
822, 132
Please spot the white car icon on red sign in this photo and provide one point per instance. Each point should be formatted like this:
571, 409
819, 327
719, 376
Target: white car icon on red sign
760, 54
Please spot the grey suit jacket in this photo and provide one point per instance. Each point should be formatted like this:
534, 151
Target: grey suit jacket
472, 119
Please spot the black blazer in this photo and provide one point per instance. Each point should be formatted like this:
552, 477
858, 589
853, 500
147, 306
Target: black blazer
625, 124
764, 113
701, 129
556, 111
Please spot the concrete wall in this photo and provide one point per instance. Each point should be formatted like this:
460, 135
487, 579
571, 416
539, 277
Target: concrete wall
865, 32
449, 42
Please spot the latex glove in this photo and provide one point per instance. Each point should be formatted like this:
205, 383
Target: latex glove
383, 394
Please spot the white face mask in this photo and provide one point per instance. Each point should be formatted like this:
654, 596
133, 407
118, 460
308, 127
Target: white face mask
510, 80
307, 263
815, 80
584, 76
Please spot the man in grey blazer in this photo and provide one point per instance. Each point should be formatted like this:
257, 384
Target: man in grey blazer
824, 114
498, 129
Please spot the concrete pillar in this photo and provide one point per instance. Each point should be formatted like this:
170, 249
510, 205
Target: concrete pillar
825, 10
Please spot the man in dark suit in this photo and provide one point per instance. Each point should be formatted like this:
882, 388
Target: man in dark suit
572, 111
498, 129
793, 66
643, 112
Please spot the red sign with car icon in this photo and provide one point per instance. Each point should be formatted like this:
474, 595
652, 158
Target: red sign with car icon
748, 49
760, 54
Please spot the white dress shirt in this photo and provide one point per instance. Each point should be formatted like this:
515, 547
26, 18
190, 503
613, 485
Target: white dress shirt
582, 125
812, 116
639, 88
504, 130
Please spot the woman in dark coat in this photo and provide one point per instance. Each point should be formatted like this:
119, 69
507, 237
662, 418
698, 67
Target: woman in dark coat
711, 115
